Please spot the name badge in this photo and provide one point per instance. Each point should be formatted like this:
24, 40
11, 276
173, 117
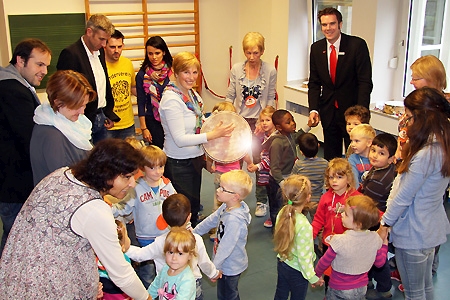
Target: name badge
341, 53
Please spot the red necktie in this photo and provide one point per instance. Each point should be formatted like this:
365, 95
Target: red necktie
333, 63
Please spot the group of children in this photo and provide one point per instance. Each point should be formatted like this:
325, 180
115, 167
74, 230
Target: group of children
331, 193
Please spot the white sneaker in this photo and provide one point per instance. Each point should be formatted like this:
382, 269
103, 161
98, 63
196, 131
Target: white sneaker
261, 209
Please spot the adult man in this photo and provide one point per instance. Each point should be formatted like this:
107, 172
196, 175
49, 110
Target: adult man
87, 57
18, 99
340, 77
123, 83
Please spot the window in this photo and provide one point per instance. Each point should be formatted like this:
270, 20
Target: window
426, 35
344, 6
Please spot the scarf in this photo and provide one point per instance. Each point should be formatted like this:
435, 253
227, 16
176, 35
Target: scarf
194, 105
155, 88
78, 133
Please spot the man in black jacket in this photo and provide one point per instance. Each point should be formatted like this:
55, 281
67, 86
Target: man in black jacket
331, 92
18, 99
87, 57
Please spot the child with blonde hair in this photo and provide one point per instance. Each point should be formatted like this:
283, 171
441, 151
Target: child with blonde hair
361, 139
151, 190
176, 280
263, 167
340, 182
231, 220
293, 241
355, 115
110, 290
353, 253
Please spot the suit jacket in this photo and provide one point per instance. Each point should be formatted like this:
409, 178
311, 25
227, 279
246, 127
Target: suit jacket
353, 83
17, 105
74, 58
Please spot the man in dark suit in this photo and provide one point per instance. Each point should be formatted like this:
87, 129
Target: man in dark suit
87, 57
332, 90
18, 99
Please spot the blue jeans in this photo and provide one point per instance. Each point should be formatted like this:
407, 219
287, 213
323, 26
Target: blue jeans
146, 270
415, 270
227, 288
290, 281
99, 131
8, 214
186, 177
353, 294
121, 133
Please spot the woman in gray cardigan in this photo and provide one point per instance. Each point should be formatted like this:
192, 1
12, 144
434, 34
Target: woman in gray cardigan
61, 136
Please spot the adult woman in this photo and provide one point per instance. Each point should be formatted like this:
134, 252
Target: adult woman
62, 132
252, 88
151, 80
415, 207
50, 252
181, 111
429, 71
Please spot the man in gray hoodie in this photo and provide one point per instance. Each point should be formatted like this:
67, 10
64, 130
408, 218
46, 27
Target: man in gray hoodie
18, 99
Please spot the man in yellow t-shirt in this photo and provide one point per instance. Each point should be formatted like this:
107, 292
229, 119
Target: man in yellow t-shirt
123, 83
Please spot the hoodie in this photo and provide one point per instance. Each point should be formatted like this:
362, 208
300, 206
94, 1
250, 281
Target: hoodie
230, 255
11, 73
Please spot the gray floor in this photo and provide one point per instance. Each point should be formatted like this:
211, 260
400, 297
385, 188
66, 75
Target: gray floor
259, 280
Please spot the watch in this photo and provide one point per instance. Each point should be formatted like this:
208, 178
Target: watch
384, 223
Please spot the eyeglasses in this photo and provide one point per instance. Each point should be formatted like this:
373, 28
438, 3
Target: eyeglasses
407, 119
415, 79
222, 189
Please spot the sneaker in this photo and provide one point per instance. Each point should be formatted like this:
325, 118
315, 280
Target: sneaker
261, 210
401, 288
268, 223
395, 275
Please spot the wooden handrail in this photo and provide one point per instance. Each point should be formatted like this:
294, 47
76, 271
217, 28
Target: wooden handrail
172, 12
171, 23
123, 13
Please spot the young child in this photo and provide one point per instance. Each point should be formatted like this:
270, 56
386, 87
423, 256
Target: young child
219, 168
263, 167
282, 155
354, 116
313, 167
377, 185
353, 253
110, 290
361, 139
151, 190
176, 280
231, 220
293, 241
339, 182
176, 210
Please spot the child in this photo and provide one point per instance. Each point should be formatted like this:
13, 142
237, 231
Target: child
313, 167
219, 168
339, 182
282, 155
377, 185
176, 210
151, 190
176, 280
263, 167
231, 220
353, 253
361, 139
293, 241
110, 290
354, 116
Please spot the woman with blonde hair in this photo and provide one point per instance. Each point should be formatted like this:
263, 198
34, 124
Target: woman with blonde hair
181, 111
61, 136
252, 88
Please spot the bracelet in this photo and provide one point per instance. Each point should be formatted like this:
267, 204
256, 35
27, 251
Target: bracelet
142, 129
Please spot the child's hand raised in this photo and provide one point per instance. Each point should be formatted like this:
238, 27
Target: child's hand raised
319, 282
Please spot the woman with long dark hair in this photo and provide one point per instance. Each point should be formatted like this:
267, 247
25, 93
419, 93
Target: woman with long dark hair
151, 80
415, 212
